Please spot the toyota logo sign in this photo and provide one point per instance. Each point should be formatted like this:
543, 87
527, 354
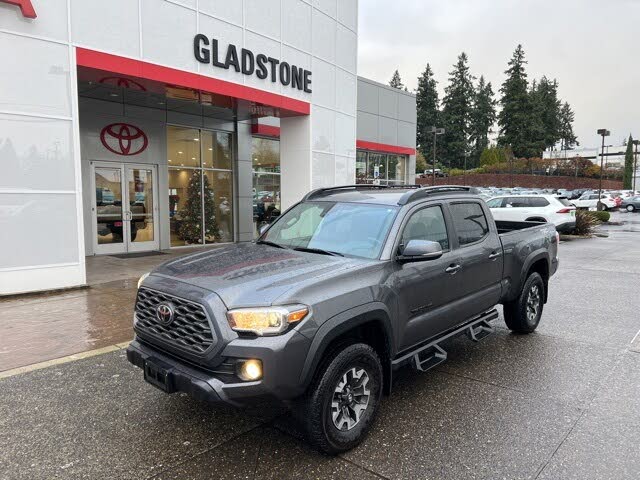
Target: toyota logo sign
124, 139
123, 82
164, 313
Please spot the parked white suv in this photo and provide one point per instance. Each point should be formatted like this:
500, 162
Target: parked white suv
535, 208
590, 201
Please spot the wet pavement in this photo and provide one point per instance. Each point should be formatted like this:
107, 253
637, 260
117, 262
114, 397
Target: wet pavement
562, 403
41, 327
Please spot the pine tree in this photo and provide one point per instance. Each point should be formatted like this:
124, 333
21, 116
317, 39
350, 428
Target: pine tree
396, 81
567, 138
190, 229
427, 104
456, 114
628, 165
483, 116
546, 109
515, 116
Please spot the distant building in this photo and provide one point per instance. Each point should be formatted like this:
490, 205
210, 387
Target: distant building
613, 155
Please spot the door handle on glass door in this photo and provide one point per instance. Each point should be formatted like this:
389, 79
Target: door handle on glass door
453, 268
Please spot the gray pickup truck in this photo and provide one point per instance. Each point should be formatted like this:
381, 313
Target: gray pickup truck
339, 292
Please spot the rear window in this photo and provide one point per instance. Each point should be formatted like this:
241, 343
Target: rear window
537, 202
564, 202
469, 221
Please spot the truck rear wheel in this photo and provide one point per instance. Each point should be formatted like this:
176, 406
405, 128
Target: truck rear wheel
523, 314
343, 400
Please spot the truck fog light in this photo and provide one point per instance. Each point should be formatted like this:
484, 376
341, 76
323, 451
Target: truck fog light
250, 370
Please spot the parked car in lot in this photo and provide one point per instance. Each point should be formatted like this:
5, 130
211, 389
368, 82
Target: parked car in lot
340, 291
538, 208
631, 204
590, 201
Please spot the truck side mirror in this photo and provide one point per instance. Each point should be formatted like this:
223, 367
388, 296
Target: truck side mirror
419, 250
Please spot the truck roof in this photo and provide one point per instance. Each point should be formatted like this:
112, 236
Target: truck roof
384, 194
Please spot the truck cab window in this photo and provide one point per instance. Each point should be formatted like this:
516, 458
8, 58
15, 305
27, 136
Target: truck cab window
427, 224
469, 221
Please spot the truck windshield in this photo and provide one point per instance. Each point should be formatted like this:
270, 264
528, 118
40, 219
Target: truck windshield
349, 229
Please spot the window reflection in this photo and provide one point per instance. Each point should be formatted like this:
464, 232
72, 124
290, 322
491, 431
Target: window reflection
200, 194
380, 168
266, 181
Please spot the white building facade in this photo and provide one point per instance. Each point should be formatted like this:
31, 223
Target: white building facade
136, 125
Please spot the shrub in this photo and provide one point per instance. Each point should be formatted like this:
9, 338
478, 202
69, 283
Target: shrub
601, 216
586, 222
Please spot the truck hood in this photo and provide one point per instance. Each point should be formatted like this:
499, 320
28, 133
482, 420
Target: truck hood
246, 275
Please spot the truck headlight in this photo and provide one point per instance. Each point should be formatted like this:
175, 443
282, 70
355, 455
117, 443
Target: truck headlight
141, 279
267, 320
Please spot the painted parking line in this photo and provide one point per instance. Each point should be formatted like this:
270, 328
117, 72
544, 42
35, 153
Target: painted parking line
62, 360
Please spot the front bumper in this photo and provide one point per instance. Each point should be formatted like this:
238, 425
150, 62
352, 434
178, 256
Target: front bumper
282, 358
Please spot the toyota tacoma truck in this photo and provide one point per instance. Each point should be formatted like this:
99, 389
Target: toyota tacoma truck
343, 289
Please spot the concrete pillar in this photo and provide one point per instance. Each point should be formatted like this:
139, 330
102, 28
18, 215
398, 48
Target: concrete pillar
295, 159
243, 182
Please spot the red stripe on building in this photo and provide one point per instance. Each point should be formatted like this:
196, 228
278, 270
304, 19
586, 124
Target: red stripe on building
137, 68
383, 147
265, 130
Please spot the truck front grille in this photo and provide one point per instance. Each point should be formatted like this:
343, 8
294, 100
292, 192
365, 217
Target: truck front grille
189, 329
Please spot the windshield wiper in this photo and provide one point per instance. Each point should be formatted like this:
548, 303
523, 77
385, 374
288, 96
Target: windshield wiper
318, 250
272, 244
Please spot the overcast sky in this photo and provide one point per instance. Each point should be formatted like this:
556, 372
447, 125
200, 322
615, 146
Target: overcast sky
591, 47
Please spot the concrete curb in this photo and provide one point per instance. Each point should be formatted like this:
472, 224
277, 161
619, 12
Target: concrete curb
59, 361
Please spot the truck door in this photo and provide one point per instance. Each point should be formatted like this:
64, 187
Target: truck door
424, 289
477, 261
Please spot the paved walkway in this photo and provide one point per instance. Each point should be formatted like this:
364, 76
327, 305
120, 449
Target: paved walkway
563, 403
40, 327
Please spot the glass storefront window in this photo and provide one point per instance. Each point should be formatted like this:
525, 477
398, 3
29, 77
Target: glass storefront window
216, 150
396, 169
185, 206
266, 181
361, 167
183, 147
377, 166
218, 206
200, 199
386, 169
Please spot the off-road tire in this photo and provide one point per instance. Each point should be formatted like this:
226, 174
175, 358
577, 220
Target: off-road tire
315, 412
516, 313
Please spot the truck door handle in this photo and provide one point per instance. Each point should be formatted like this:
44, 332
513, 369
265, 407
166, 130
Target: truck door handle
495, 255
453, 268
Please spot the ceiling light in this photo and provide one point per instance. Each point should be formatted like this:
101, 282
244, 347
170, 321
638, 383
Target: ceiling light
114, 94
210, 148
196, 139
180, 153
193, 158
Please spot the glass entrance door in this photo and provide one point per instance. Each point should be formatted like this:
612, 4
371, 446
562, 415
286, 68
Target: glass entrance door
125, 207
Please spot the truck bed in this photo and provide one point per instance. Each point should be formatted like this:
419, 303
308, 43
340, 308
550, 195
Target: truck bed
506, 226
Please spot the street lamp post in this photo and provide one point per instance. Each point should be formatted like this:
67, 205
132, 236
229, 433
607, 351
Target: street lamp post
635, 165
605, 133
436, 131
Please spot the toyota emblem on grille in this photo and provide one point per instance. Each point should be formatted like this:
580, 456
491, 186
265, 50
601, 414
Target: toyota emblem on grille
164, 313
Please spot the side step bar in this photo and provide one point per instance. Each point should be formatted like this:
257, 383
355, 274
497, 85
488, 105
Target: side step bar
431, 354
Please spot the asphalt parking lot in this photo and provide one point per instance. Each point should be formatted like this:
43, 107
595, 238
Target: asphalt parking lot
563, 403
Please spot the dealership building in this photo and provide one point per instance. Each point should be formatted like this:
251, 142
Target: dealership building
141, 125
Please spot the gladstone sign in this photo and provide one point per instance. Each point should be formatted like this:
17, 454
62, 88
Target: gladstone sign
246, 62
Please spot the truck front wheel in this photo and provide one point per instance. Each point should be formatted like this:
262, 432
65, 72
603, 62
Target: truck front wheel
342, 402
523, 314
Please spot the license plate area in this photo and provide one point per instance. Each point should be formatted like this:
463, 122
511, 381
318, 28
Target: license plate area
158, 376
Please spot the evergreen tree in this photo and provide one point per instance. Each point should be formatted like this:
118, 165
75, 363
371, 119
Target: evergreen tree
190, 229
628, 165
427, 104
546, 109
483, 116
566, 136
456, 114
396, 81
515, 116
